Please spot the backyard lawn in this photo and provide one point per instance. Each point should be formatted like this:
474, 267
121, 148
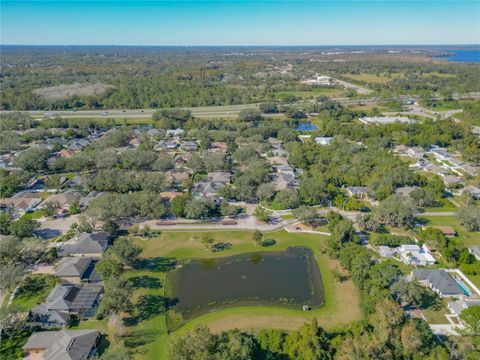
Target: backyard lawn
464, 237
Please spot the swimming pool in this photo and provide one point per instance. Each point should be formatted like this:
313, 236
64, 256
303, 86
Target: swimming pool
464, 287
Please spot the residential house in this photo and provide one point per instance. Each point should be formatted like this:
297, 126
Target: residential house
415, 255
416, 152
278, 160
284, 169
85, 244
446, 230
166, 145
218, 146
475, 251
361, 192
219, 176
405, 191
321, 140
440, 154
66, 153
275, 143
451, 181
177, 177
284, 181
75, 270
386, 120
76, 299
134, 142
439, 281
64, 200
175, 132
62, 345
78, 145
386, 251
189, 146
20, 203
400, 150
456, 307
469, 169
211, 184
41, 316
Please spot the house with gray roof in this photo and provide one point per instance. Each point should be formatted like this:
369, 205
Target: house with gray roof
85, 244
62, 345
75, 299
75, 270
41, 316
439, 281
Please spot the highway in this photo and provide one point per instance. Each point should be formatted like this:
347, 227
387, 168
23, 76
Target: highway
225, 111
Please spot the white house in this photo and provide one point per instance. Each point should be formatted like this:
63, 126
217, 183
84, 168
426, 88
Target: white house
416, 255
323, 140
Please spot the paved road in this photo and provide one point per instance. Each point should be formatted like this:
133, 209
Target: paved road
437, 213
359, 89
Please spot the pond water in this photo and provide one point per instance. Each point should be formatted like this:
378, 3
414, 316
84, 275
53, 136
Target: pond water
289, 278
306, 127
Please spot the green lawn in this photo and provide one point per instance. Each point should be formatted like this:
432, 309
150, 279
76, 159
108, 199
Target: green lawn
37, 214
446, 206
34, 290
313, 92
474, 279
436, 314
464, 237
146, 332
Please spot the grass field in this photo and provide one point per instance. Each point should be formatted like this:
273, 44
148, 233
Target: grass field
146, 332
313, 93
464, 237
370, 78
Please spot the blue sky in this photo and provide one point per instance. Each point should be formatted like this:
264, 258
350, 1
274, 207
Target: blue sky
240, 22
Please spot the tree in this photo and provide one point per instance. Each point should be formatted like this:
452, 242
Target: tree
74, 208
110, 226
265, 192
413, 293
178, 204
288, 198
257, 237
125, 251
197, 344
12, 319
295, 113
10, 275
116, 327
109, 268
116, 297
5, 221
250, 115
207, 239
395, 212
306, 214
469, 216
199, 208
343, 231
51, 208
268, 107
261, 214
227, 210
23, 228
310, 342
416, 338
471, 319
234, 344
313, 191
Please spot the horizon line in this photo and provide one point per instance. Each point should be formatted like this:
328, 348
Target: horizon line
248, 45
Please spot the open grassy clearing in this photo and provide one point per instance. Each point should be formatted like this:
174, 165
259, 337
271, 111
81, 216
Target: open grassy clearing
436, 314
372, 78
446, 205
464, 237
342, 298
313, 93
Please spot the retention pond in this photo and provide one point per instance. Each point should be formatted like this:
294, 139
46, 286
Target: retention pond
289, 278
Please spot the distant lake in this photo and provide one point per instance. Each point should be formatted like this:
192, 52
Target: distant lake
289, 278
306, 127
461, 56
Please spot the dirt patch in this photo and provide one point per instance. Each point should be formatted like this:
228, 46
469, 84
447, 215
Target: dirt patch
63, 91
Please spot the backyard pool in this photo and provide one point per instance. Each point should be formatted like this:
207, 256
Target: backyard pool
289, 278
